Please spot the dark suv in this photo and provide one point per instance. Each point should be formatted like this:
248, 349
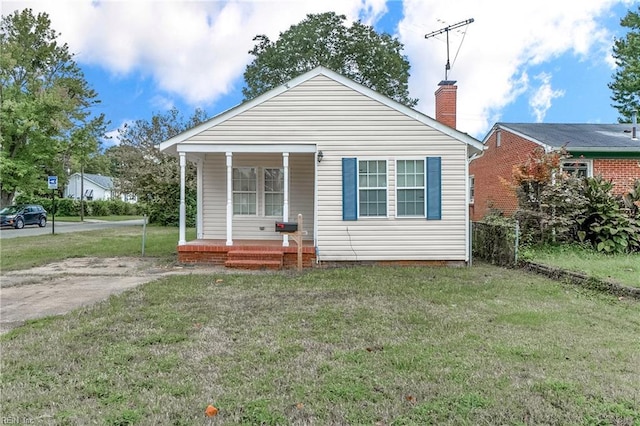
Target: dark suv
24, 214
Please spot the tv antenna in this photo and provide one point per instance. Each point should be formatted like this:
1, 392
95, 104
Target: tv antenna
447, 67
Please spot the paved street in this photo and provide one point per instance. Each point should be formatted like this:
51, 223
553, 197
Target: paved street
64, 227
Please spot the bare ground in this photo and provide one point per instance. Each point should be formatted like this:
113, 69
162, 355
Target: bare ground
60, 287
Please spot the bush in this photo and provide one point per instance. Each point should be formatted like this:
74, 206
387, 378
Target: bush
606, 224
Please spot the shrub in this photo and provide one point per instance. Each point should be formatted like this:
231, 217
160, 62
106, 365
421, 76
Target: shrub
606, 225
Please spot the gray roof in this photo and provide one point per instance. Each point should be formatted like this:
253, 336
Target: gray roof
104, 181
578, 137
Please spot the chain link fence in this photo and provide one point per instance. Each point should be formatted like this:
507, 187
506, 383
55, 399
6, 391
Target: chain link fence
495, 243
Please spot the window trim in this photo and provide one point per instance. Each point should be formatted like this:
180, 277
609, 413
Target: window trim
386, 188
257, 190
585, 161
264, 191
423, 187
472, 188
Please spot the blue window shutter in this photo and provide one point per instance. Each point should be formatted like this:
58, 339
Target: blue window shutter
349, 189
434, 188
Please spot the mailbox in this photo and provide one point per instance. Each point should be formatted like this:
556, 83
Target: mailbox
286, 226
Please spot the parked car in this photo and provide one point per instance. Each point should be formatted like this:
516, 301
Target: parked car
25, 214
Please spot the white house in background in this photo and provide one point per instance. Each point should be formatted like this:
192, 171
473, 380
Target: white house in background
96, 187
374, 180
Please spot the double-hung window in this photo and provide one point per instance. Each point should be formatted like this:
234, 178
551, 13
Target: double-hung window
273, 192
372, 188
244, 191
410, 187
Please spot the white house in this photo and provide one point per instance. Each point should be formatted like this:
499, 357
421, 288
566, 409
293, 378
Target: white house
374, 180
96, 187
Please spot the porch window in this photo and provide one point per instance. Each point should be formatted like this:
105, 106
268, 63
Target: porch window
244, 191
410, 178
273, 192
372, 186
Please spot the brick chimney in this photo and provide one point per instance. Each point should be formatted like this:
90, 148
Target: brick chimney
446, 103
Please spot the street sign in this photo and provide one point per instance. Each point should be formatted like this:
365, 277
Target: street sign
53, 182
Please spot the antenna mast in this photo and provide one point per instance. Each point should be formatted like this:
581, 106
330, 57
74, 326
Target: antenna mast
447, 67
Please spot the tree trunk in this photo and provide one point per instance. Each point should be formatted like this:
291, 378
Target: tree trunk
6, 198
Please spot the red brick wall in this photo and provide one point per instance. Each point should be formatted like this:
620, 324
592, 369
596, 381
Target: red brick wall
496, 162
622, 172
446, 104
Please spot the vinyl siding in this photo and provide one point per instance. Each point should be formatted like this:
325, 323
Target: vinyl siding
248, 227
342, 123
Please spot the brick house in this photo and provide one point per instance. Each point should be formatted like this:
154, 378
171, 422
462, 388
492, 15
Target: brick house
607, 150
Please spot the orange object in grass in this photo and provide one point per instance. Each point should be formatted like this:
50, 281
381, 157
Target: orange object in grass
211, 411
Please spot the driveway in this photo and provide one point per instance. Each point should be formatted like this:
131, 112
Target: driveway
63, 286
64, 227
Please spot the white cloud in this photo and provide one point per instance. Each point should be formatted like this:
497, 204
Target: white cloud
112, 137
540, 100
195, 49
499, 48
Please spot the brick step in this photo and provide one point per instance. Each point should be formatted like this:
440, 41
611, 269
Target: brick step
256, 264
255, 255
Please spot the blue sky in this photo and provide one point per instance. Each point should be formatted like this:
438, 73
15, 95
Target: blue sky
543, 61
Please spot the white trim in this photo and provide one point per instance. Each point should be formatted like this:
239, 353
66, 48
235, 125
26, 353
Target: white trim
183, 206
229, 157
467, 217
199, 198
586, 161
249, 148
386, 188
424, 186
315, 204
285, 203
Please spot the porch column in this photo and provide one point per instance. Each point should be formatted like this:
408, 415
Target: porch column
229, 198
285, 198
199, 199
183, 209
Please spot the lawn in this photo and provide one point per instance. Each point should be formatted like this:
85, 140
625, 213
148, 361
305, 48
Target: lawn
26, 252
370, 345
621, 268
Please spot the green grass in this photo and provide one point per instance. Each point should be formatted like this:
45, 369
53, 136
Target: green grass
105, 218
393, 346
26, 252
621, 268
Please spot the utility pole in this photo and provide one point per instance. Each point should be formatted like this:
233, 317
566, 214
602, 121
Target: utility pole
446, 30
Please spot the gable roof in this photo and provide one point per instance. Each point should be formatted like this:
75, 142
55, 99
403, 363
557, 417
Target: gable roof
170, 144
105, 182
576, 137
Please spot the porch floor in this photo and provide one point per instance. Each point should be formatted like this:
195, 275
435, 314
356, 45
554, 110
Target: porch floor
247, 254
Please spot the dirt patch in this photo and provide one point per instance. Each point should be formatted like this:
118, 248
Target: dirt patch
60, 287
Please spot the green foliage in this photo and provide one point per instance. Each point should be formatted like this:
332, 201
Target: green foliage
45, 111
626, 80
549, 201
495, 241
357, 52
71, 208
631, 200
154, 176
606, 225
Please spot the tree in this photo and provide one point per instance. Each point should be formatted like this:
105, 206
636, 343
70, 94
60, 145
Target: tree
44, 105
357, 52
141, 169
626, 79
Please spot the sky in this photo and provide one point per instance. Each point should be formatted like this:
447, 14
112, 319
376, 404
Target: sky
519, 61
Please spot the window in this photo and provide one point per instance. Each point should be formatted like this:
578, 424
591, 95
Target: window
244, 191
410, 184
372, 187
578, 168
273, 192
472, 188
498, 138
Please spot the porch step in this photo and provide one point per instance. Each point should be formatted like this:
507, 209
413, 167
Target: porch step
254, 259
